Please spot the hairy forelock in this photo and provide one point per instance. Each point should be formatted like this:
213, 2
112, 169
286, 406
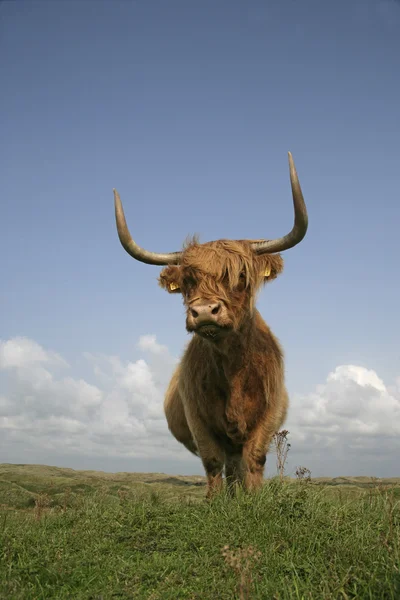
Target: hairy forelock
216, 269
223, 260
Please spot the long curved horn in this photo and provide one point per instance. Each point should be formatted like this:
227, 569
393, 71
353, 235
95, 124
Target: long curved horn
151, 258
300, 220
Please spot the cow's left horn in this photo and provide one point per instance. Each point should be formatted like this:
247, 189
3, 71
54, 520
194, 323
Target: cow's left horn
151, 258
300, 220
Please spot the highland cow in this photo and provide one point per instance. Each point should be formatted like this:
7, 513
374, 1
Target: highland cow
227, 397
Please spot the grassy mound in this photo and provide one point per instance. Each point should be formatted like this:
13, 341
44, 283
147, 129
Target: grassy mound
90, 535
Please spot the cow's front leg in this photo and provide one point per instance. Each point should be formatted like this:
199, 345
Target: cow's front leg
213, 466
257, 445
234, 470
255, 455
210, 452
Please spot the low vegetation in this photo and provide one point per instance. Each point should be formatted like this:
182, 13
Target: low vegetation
92, 535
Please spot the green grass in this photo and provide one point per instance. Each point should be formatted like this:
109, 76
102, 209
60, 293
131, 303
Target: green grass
92, 535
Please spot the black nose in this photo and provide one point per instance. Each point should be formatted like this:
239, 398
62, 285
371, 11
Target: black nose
205, 311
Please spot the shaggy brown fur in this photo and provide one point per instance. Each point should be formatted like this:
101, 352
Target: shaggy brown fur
227, 397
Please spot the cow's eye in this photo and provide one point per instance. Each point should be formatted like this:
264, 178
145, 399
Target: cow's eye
242, 281
189, 282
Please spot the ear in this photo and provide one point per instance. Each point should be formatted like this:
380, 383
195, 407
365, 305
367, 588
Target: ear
271, 266
170, 279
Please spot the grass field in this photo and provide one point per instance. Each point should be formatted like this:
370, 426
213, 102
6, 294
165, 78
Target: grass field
93, 535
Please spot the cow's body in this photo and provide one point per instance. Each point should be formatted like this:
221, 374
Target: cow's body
227, 397
225, 404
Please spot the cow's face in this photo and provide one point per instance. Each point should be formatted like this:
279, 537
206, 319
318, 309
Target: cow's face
218, 282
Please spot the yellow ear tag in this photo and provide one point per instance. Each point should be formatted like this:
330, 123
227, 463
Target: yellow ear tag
173, 286
267, 272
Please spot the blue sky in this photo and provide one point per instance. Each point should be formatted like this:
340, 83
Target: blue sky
189, 109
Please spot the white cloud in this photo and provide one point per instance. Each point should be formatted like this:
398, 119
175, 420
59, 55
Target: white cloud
354, 401
121, 416
149, 342
351, 421
22, 353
